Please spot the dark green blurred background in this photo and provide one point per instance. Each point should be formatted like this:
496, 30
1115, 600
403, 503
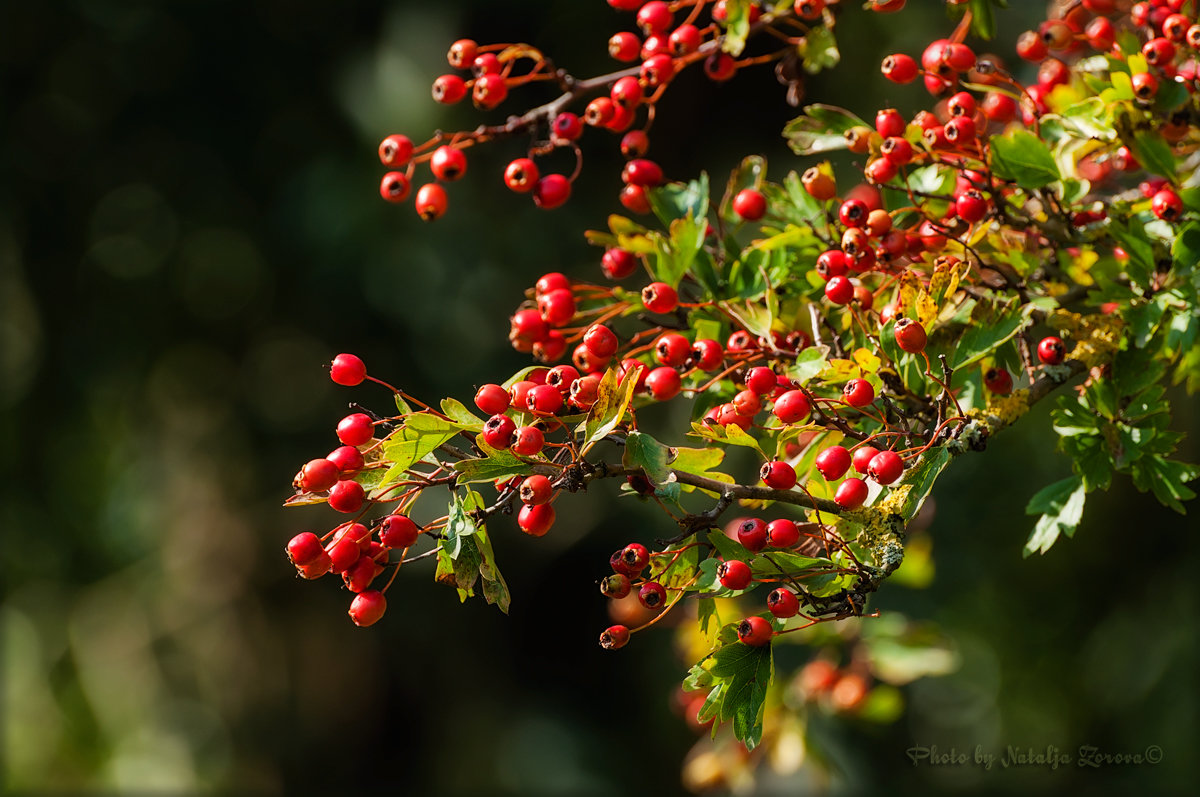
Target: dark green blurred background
189, 230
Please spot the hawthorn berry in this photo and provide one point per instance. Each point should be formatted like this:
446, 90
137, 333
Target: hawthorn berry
355, 429
317, 475
783, 603
1167, 205
347, 496
367, 607
304, 549
347, 370
449, 89
657, 70
634, 198
490, 90
395, 150
782, 533
707, 355
636, 557
832, 263
792, 407
642, 172
971, 206
652, 595
543, 400
899, 68
615, 586
492, 399
853, 213
755, 631
861, 459
551, 191
734, 574
659, 297
557, 307
833, 462
885, 467
498, 431
431, 201
536, 489
398, 531
1051, 350
521, 175
839, 290
614, 637
664, 383
394, 187
998, 381
910, 335
851, 494
858, 393
348, 459
672, 349
584, 391
1145, 85
778, 475
528, 441
536, 520
750, 204
343, 554
566, 127
752, 534
618, 263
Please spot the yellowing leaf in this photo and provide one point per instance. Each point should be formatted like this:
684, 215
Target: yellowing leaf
867, 360
927, 309
910, 285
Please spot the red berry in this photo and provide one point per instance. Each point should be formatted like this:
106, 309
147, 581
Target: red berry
885, 467
707, 354
899, 68
355, 429
672, 349
395, 150
958, 57
783, 603
601, 341
778, 475
642, 172
462, 53
449, 89
394, 187
634, 198
664, 383
1051, 350
536, 520
659, 297
971, 206
760, 380
557, 307
618, 263
347, 496
734, 574
348, 370
635, 557
851, 494
792, 407
1145, 85
889, 123
528, 441
348, 459
521, 175
624, 46
862, 457
492, 399
755, 631
910, 335
831, 263
615, 586
749, 204
490, 90
839, 290
567, 127
448, 163
304, 549
367, 607
1031, 46
584, 392
998, 381
317, 475
543, 400
431, 201
853, 213
551, 191
720, 67
833, 462
752, 534
614, 637
657, 70
398, 531
1167, 205
498, 431
684, 40
536, 490
652, 595
782, 533
1159, 51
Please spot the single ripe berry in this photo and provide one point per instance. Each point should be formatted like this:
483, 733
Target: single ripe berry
449, 89
858, 393
347, 496
492, 399
635, 557
317, 475
853, 213
659, 297
910, 335
672, 349
601, 341
367, 607
431, 201
783, 603
543, 400
755, 631
885, 467
618, 263
536, 520
1145, 85
640, 171
734, 574
1051, 350
839, 290
998, 381
448, 163
778, 475
614, 637
899, 68
490, 90
720, 67
749, 204
398, 531
833, 462
971, 206
498, 431
551, 191
752, 534
520, 175
664, 383
347, 370
566, 127
862, 457
394, 187
305, 548
652, 595
535, 490
707, 354
528, 441
395, 150
657, 70
851, 494
348, 459
782, 533
615, 586
557, 307
355, 429
1167, 205
792, 407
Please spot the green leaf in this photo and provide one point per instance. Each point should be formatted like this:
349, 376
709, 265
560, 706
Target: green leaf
458, 522
822, 128
818, 50
420, 435
737, 26
495, 590
612, 401
990, 328
676, 565
1061, 507
677, 253
1166, 479
727, 548
680, 200
809, 363
496, 465
457, 412
922, 477
1140, 265
983, 20
1154, 153
785, 563
747, 673
1021, 156
696, 460
643, 451
1185, 252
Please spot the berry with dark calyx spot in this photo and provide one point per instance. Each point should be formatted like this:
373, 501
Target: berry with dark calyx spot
635, 143
910, 335
657, 70
615, 586
614, 637
755, 631
760, 380
528, 441
395, 150
348, 459
851, 494
536, 520
398, 531
853, 213
367, 607
521, 175
664, 383
448, 163
861, 459
839, 290
783, 603
707, 355
347, 370
636, 557
317, 475
462, 53
355, 429
792, 407
833, 462
734, 574
557, 307
832, 263
752, 534
1051, 350
659, 297
490, 90
551, 191
652, 595
566, 127
498, 431
305, 548
449, 89
778, 475
618, 263
750, 204
394, 187
684, 40
720, 67
998, 381
543, 400
885, 467
858, 393
672, 349
1167, 205
782, 533
347, 496
1145, 85
899, 68
584, 392
431, 202
492, 399
536, 489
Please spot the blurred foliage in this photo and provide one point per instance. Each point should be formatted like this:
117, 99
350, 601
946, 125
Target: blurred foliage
189, 229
